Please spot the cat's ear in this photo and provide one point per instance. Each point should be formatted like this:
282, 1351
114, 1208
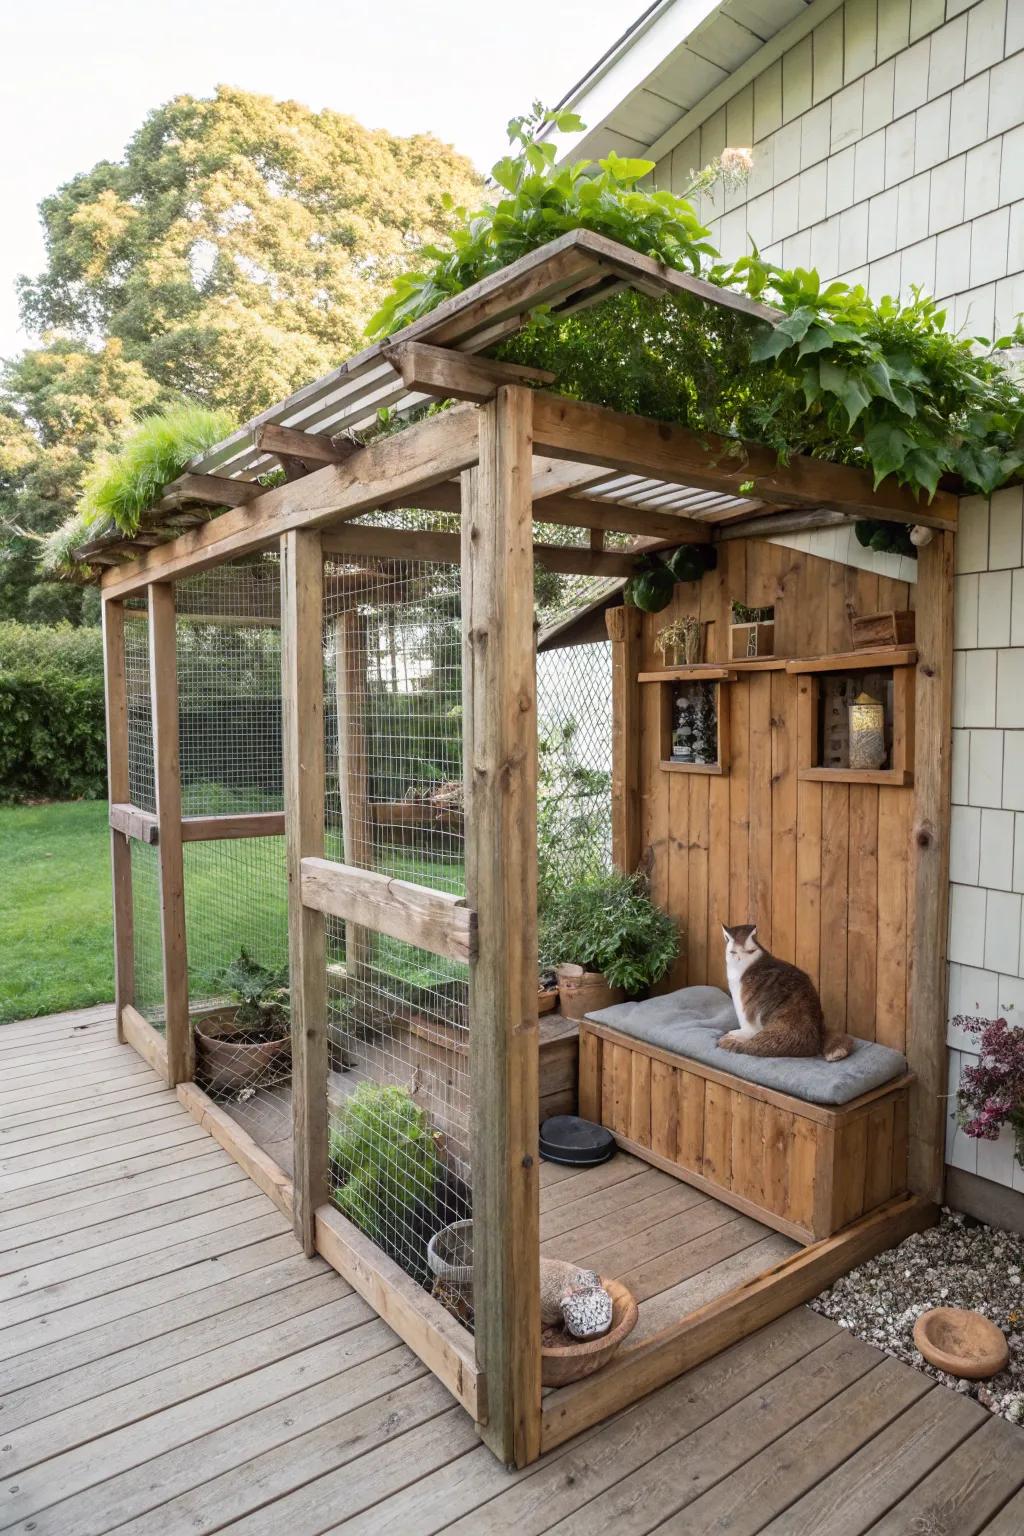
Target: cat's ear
752, 939
726, 935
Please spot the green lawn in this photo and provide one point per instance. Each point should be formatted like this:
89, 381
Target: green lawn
55, 923
55, 936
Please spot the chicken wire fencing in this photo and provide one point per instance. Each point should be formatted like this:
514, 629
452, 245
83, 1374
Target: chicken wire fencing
398, 1083
574, 765
146, 940
229, 701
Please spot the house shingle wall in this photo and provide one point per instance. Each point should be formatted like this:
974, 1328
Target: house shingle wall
889, 151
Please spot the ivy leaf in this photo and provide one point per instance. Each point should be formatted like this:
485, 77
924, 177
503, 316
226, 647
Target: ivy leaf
847, 387
887, 446
816, 340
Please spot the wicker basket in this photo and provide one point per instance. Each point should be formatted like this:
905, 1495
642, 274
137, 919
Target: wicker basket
562, 1363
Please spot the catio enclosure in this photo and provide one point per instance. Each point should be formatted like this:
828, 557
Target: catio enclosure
343, 754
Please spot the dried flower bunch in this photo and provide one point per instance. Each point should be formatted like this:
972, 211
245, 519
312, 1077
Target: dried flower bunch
991, 1094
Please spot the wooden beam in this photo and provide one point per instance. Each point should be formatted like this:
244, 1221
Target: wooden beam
636, 1371
357, 824
212, 490
302, 708
227, 1133
580, 512
420, 1321
399, 544
218, 829
116, 704
148, 1042
127, 819
776, 523
500, 734
457, 375
387, 471
569, 429
163, 677
307, 447
625, 631
929, 865
416, 914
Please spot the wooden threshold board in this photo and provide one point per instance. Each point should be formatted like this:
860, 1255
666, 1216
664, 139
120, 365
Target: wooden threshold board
673, 1246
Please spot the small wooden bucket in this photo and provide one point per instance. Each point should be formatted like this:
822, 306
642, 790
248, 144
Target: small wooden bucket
581, 992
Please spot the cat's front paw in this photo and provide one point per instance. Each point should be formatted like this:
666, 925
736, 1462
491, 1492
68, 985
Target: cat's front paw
727, 1042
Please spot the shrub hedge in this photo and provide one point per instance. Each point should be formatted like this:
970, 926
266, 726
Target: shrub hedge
52, 734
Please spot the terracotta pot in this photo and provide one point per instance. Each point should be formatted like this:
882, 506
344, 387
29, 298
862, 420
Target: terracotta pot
576, 1358
547, 997
581, 992
230, 1056
961, 1343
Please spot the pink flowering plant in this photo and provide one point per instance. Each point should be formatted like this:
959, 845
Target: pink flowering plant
991, 1094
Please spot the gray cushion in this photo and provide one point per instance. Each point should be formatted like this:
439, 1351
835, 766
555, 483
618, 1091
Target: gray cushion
690, 1021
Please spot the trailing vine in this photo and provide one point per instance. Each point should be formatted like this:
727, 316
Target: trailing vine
840, 376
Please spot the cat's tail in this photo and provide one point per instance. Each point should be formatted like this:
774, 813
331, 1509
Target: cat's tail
836, 1047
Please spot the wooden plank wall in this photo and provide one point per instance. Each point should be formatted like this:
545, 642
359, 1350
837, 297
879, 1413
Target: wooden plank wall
821, 868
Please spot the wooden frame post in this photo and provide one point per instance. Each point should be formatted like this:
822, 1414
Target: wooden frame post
625, 629
116, 698
163, 682
353, 778
302, 709
500, 723
929, 856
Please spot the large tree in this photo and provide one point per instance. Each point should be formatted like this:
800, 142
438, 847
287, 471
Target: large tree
60, 405
239, 247
235, 252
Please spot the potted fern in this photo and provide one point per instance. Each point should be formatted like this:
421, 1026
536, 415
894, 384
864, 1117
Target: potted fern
605, 939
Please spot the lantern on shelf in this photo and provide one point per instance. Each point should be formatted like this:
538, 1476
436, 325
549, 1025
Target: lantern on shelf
867, 732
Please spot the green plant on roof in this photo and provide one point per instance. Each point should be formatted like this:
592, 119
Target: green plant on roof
879, 384
537, 201
383, 1147
123, 484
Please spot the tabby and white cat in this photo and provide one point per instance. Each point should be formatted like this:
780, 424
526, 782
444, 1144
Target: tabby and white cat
776, 1003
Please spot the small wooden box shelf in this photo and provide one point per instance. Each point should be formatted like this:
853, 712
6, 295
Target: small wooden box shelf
894, 665
801, 1168
669, 680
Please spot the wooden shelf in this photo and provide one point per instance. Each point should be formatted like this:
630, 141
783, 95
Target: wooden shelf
855, 661
673, 767
703, 672
898, 777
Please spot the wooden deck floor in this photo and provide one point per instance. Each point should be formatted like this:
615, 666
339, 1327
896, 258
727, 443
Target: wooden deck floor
171, 1364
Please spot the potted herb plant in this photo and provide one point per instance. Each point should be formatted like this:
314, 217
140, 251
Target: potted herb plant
393, 1181
249, 1042
606, 939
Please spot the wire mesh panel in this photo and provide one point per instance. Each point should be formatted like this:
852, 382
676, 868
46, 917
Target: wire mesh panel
229, 686
141, 780
574, 773
398, 1085
147, 944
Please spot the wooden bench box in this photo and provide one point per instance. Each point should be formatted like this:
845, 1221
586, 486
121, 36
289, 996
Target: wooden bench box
801, 1168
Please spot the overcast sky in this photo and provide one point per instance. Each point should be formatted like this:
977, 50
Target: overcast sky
79, 76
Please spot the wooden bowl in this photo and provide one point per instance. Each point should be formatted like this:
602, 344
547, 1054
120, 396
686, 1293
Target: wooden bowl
562, 1363
961, 1343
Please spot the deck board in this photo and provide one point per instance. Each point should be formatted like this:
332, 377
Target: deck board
172, 1362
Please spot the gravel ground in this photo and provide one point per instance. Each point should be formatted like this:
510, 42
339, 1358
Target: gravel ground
959, 1263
